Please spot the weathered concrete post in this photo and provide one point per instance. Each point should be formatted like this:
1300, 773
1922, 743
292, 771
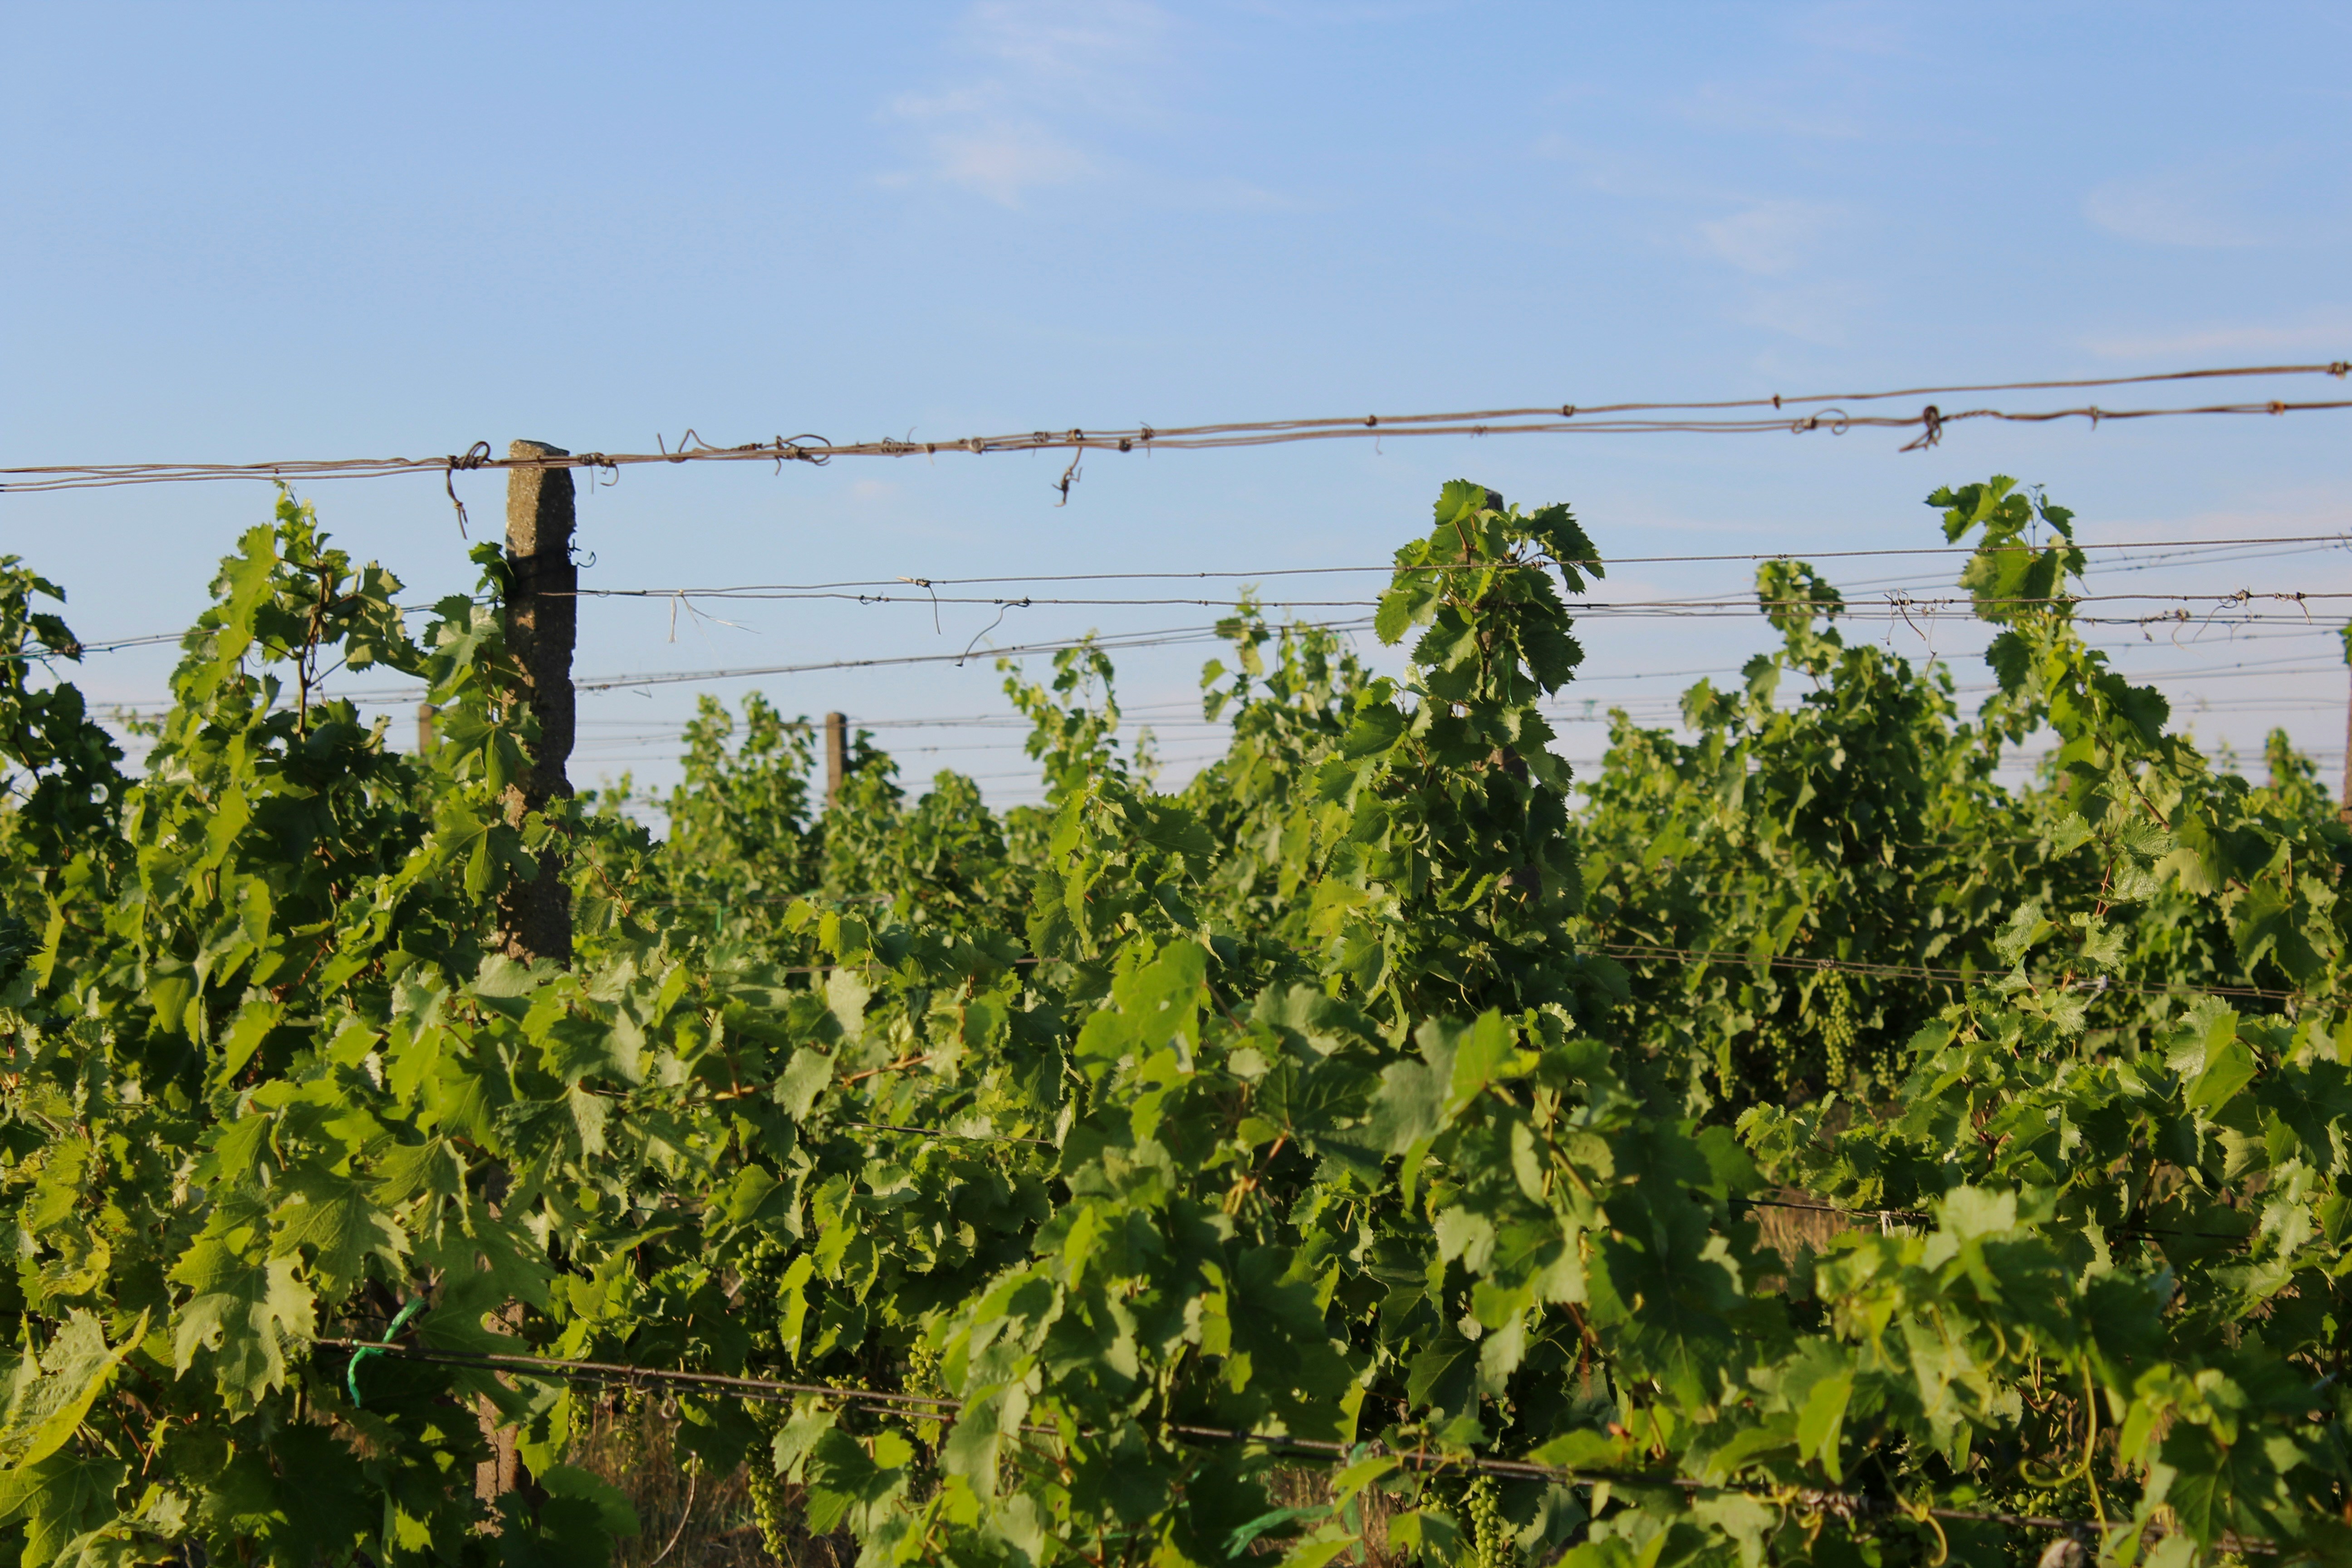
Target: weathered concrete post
2344, 800
534, 918
542, 622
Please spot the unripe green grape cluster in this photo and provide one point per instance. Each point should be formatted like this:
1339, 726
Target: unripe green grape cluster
767, 1487
632, 1422
1829, 1023
1774, 1044
1491, 1541
1835, 1026
762, 1267
922, 1376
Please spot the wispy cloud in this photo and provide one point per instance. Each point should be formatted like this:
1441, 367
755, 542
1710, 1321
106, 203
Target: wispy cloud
1800, 111
2195, 207
1820, 314
1775, 241
2324, 334
1089, 49
1860, 27
1047, 68
1004, 159
1769, 237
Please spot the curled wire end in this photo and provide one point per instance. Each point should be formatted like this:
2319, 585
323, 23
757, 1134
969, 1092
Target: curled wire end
1004, 607
474, 457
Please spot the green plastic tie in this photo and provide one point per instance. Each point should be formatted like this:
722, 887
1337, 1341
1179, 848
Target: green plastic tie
351, 1371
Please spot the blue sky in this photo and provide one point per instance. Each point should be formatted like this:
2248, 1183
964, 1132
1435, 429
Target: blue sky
249, 232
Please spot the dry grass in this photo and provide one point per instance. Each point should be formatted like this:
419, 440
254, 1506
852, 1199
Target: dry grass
1785, 1230
690, 1520
1312, 1488
696, 1521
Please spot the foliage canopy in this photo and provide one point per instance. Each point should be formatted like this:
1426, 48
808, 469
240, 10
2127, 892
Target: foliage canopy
1371, 1091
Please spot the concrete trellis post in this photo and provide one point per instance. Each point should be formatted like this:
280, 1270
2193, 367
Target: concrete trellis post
543, 622
836, 755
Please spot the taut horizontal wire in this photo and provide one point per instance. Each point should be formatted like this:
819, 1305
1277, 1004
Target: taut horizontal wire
1182, 636
1927, 972
1740, 597
1162, 638
1619, 418
1914, 1217
1168, 637
926, 582
1882, 971
1109, 644
836, 589
883, 596
1744, 601
919, 1406
1149, 714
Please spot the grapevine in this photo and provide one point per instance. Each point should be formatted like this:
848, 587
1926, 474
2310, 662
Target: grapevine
1152, 1177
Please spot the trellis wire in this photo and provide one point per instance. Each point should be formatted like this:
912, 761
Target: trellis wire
1847, 1506
1716, 417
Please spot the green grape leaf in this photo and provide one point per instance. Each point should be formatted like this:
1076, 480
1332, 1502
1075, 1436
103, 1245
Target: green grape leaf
244, 1311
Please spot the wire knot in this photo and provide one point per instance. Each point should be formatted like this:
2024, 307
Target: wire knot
804, 448
1931, 420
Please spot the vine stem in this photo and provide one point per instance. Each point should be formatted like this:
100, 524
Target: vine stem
887, 1067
